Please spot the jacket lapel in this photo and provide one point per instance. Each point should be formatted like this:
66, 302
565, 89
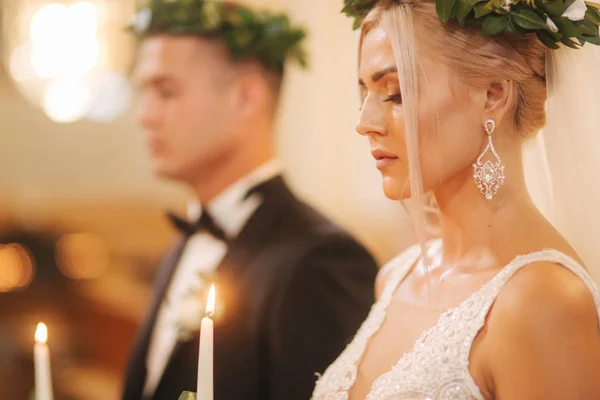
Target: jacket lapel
248, 241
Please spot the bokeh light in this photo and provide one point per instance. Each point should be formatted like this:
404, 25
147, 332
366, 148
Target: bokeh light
17, 267
49, 25
20, 65
82, 256
69, 45
110, 97
66, 99
64, 39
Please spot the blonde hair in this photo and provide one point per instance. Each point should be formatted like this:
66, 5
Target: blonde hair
476, 60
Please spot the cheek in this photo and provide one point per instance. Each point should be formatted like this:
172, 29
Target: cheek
448, 144
395, 120
204, 126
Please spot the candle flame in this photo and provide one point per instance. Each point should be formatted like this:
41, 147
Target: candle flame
41, 333
210, 304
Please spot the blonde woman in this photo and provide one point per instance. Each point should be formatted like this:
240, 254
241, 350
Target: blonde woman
501, 306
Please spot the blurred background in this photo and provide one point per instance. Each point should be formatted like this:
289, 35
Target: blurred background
82, 222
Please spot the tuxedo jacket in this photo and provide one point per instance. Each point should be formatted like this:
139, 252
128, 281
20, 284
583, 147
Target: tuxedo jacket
295, 289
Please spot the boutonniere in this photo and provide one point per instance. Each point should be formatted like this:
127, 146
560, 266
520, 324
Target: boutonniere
191, 308
189, 313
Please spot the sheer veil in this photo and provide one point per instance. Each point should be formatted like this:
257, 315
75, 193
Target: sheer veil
563, 164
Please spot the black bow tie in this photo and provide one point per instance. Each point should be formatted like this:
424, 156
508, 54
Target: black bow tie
204, 223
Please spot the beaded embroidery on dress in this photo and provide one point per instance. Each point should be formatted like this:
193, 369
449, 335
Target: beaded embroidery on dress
438, 366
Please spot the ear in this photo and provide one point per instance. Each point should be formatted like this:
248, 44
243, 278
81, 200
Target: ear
499, 98
252, 94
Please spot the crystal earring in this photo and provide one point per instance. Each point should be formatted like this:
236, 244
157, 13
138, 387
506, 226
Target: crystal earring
489, 176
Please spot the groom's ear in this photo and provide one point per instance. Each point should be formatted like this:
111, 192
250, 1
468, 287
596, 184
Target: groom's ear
499, 99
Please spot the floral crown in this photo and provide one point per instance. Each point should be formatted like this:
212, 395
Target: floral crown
553, 21
268, 37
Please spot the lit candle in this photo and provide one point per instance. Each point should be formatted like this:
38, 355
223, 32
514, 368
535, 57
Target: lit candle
204, 387
41, 354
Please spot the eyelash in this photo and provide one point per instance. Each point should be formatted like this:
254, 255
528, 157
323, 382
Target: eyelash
394, 98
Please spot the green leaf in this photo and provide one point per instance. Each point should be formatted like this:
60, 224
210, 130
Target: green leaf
246, 15
591, 39
554, 8
444, 9
482, 9
528, 19
587, 27
493, 24
568, 42
462, 9
512, 26
187, 396
547, 40
593, 15
567, 27
349, 6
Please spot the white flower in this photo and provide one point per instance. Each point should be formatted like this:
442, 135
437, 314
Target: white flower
507, 4
141, 20
576, 11
551, 25
189, 316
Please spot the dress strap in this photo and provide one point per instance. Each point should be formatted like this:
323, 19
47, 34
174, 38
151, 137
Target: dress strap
488, 294
482, 300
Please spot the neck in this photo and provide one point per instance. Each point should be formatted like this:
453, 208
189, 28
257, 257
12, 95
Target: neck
474, 228
228, 170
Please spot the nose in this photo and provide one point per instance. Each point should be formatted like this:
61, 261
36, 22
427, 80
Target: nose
371, 121
147, 112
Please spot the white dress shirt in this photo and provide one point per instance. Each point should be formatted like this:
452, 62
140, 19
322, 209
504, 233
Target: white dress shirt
201, 256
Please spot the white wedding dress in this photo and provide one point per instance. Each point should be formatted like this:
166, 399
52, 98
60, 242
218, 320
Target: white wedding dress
438, 366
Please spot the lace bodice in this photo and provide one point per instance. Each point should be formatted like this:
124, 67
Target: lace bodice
438, 366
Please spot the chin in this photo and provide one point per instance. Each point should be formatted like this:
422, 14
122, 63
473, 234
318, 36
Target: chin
161, 170
395, 189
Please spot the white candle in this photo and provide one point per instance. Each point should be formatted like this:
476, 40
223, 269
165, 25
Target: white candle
41, 354
204, 388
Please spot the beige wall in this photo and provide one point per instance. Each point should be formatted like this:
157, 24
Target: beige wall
319, 114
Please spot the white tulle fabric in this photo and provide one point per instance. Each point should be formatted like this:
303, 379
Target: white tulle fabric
562, 167
438, 366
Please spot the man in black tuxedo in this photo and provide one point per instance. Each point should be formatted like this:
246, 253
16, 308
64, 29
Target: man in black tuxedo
292, 287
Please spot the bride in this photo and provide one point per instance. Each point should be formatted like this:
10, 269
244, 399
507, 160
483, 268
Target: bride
501, 306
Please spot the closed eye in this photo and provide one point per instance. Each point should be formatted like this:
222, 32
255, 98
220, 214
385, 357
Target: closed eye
394, 98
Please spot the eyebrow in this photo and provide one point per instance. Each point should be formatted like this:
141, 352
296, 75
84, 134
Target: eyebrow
156, 80
380, 74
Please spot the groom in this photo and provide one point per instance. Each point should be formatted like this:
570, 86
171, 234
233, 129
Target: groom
292, 288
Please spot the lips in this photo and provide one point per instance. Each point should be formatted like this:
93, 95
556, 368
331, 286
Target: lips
383, 158
155, 146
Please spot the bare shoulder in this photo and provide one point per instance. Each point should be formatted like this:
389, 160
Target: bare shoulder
544, 328
550, 292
